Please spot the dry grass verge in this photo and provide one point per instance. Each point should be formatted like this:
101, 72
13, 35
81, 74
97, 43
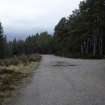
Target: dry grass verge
12, 73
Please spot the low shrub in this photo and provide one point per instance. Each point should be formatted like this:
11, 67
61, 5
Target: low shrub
23, 59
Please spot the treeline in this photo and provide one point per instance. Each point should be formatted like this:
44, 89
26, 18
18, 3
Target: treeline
82, 34
39, 43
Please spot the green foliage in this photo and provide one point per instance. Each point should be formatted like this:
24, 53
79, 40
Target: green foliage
82, 33
2, 43
38, 43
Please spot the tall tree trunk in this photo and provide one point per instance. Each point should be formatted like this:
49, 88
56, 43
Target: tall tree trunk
82, 49
100, 46
87, 46
90, 45
94, 45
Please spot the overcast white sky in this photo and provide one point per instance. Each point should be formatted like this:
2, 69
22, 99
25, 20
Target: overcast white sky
21, 17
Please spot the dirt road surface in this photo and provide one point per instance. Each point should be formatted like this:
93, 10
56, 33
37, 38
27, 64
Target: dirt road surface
64, 81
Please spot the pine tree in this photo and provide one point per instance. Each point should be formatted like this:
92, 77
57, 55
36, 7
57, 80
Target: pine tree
83, 33
2, 42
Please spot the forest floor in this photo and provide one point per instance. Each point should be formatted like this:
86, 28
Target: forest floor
64, 81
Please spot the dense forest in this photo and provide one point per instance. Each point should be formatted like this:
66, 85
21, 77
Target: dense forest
82, 34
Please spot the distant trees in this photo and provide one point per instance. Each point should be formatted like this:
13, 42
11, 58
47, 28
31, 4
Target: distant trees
83, 32
44, 43
38, 43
